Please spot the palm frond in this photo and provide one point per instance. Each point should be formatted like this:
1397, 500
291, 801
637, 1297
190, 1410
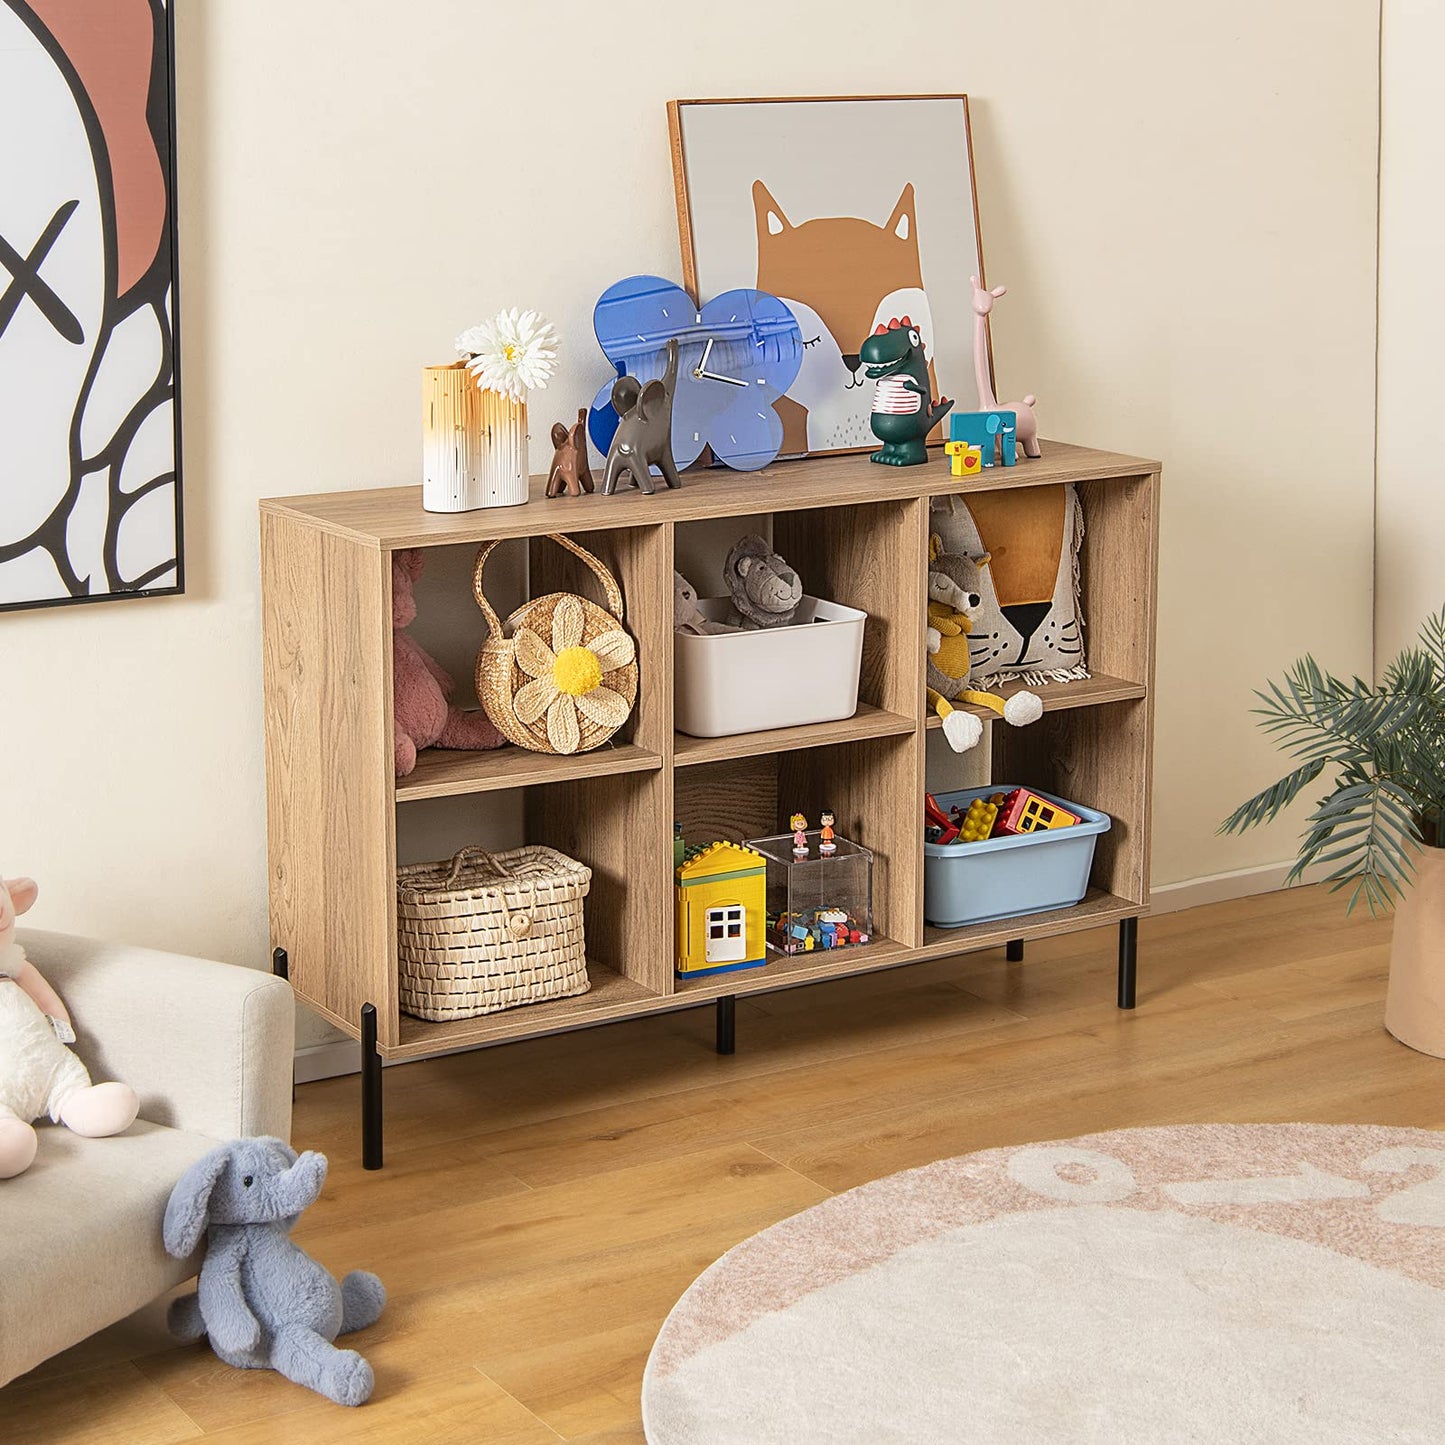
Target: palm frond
1386, 743
1267, 805
1432, 638
1365, 833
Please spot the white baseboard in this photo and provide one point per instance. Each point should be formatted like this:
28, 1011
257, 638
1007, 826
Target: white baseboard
343, 1056
1220, 887
328, 1061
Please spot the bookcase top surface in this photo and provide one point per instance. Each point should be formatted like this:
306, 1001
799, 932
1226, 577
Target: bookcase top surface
392, 517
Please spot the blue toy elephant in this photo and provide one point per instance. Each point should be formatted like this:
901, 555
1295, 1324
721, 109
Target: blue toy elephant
263, 1302
981, 429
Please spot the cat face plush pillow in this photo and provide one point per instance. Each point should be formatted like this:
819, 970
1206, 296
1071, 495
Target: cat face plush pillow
1028, 624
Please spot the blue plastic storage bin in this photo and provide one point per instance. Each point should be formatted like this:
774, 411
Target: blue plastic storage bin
1006, 877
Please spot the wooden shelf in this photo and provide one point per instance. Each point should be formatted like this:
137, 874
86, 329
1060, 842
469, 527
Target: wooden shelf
789, 970
441, 773
867, 722
859, 534
392, 517
1097, 909
1056, 696
611, 997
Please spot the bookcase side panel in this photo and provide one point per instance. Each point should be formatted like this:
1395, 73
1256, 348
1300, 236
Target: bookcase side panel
1119, 574
329, 806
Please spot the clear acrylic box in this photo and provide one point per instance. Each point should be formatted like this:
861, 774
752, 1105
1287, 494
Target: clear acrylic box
817, 902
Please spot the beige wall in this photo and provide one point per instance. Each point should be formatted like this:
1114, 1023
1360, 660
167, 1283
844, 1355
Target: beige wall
1179, 198
1410, 540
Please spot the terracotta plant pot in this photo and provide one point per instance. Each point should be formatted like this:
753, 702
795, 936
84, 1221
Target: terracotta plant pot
1415, 1004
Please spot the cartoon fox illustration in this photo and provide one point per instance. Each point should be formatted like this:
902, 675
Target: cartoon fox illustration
842, 277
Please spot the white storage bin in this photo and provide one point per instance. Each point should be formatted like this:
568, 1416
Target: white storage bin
779, 677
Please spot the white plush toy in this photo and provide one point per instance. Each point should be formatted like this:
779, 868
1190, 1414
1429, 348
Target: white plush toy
38, 1074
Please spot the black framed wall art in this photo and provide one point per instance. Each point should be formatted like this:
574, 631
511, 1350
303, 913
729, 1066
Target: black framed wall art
90, 491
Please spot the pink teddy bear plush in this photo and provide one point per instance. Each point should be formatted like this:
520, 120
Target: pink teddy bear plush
38, 1074
422, 717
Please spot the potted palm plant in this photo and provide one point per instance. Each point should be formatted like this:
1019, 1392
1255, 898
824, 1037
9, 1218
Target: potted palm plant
1380, 830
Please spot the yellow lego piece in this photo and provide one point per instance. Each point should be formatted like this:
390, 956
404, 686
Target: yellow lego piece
1039, 816
966, 459
721, 914
978, 821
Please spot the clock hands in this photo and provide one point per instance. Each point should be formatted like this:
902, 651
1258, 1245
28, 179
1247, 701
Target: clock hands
703, 374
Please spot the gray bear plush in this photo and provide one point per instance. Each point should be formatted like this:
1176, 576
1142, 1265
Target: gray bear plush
764, 589
263, 1302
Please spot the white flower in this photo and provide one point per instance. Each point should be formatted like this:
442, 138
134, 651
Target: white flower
513, 353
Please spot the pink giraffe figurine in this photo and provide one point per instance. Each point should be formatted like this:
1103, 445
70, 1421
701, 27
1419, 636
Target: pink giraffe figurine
1028, 428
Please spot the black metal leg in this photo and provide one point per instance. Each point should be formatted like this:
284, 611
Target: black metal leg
281, 967
1015, 950
370, 1091
727, 1025
1128, 960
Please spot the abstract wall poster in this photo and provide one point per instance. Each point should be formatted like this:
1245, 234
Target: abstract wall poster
852, 210
90, 498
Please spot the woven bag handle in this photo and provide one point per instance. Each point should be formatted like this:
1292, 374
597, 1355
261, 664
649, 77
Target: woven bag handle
461, 856
517, 924
598, 568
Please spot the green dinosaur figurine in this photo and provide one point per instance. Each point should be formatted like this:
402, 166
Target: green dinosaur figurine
903, 415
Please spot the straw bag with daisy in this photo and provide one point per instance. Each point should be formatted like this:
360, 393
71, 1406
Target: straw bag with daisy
560, 674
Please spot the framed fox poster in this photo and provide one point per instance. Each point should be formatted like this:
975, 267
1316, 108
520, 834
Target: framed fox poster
855, 211
90, 504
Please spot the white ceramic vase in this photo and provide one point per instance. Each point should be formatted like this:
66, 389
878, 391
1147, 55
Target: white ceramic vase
474, 444
1415, 1003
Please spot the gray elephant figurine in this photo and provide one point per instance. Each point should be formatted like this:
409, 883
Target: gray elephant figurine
644, 430
264, 1303
765, 590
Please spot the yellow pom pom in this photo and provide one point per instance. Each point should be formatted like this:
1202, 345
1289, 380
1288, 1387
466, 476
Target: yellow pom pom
577, 671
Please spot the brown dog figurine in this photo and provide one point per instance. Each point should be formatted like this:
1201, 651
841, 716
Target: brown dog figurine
570, 472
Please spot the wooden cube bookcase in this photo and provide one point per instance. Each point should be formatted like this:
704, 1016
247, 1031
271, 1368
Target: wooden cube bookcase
858, 533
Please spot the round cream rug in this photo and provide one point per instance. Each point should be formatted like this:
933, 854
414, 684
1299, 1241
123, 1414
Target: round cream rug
1218, 1283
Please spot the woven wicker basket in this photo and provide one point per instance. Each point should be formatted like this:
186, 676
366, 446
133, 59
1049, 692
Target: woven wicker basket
560, 674
485, 932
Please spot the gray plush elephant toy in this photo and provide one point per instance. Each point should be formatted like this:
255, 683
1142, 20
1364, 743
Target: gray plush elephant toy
263, 1302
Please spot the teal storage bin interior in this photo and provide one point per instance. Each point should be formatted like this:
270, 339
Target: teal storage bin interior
1008, 877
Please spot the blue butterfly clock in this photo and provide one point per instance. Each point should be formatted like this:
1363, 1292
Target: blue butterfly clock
736, 357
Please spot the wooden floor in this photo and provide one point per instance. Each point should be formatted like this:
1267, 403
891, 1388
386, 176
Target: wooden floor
544, 1204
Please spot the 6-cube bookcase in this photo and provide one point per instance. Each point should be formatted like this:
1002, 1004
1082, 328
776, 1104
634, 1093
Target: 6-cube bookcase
858, 534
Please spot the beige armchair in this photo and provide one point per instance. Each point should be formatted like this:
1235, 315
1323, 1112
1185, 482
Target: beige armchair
208, 1047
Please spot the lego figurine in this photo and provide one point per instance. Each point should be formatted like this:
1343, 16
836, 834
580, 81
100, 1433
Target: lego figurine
827, 847
799, 824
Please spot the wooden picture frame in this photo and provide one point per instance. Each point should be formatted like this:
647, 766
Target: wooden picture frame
90, 469
817, 200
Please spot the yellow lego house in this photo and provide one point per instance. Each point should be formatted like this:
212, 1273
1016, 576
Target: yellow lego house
721, 911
